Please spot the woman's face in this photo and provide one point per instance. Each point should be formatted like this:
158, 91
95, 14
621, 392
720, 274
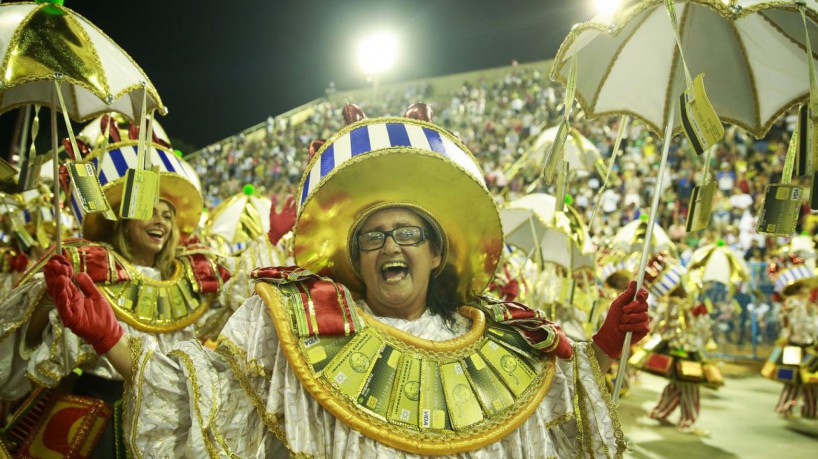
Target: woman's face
397, 276
148, 237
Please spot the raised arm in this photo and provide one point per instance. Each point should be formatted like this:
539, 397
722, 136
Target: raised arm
87, 313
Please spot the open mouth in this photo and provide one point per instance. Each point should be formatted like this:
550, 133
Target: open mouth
156, 235
394, 271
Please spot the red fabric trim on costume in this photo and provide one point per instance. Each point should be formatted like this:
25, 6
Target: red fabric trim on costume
326, 310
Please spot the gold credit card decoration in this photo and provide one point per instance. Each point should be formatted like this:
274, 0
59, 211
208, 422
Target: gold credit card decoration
433, 413
321, 350
378, 387
89, 191
140, 194
701, 204
463, 405
350, 368
492, 394
554, 154
779, 210
407, 392
700, 122
514, 372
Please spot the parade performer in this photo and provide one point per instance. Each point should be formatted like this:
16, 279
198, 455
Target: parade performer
675, 351
152, 285
364, 350
794, 361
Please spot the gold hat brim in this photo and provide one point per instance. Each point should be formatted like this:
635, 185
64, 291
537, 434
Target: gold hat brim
408, 177
172, 187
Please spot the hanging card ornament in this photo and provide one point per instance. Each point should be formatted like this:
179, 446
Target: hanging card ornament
139, 195
88, 190
700, 122
141, 190
701, 202
779, 210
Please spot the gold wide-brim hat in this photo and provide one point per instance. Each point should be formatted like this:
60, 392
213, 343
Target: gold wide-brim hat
178, 184
385, 162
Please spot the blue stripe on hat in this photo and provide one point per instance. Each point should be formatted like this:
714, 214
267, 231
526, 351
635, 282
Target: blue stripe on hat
327, 160
165, 160
359, 141
435, 142
102, 178
305, 190
398, 135
119, 162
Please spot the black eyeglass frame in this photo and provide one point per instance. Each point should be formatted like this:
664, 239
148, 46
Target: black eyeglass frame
423, 238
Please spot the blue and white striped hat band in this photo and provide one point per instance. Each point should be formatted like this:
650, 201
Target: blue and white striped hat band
789, 276
383, 134
667, 281
388, 162
178, 183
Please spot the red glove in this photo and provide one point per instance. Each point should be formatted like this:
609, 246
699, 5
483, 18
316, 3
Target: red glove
625, 315
87, 313
19, 262
56, 268
281, 222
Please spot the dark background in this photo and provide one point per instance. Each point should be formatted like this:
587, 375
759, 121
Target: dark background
222, 66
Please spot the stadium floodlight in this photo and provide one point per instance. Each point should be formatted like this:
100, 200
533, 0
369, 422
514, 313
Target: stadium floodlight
377, 53
607, 8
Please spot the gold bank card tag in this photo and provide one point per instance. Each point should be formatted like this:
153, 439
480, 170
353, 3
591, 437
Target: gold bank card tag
491, 392
700, 122
554, 154
320, 350
460, 399
139, 195
405, 403
350, 368
512, 340
701, 204
514, 372
779, 210
433, 413
377, 389
89, 191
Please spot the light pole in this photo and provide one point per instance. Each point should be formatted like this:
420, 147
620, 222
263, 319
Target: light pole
377, 54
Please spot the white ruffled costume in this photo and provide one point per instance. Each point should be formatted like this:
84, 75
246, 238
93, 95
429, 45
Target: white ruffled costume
244, 400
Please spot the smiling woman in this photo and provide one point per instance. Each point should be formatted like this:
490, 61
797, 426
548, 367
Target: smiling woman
149, 285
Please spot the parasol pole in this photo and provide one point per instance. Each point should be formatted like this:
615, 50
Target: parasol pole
56, 168
657, 192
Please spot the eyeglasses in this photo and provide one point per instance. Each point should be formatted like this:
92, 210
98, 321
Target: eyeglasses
405, 235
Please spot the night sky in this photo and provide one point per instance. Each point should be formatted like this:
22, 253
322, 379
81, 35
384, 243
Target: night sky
222, 66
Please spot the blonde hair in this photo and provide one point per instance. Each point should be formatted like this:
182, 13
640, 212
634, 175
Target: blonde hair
164, 260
